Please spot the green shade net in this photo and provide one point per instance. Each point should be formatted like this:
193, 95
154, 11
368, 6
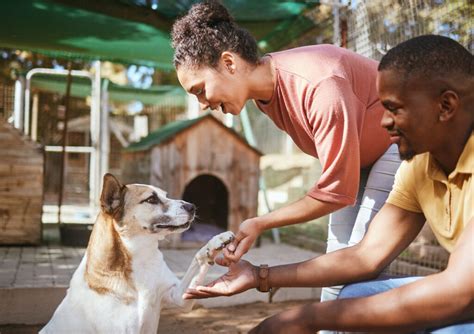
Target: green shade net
81, 87
274, 23
76, 31
61, 31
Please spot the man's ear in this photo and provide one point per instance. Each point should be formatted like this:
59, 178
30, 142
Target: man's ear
112, 195
449, 103
229, 61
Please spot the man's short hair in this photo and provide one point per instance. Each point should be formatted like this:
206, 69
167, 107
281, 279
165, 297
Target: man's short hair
430, 56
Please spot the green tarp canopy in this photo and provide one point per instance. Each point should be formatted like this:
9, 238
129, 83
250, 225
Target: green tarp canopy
81, 87
127, 31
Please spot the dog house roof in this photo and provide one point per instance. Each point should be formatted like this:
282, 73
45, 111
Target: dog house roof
170, 130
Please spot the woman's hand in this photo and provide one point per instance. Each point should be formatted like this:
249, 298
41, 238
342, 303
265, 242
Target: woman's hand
294, 320
248, 232
240, 277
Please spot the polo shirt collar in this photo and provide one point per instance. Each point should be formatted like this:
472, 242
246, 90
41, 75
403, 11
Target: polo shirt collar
465, 163
466, 160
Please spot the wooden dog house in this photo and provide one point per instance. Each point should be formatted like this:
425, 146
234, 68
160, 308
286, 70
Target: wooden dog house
21, 187
201, 161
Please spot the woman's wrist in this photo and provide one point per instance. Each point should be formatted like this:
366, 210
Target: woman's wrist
259, 224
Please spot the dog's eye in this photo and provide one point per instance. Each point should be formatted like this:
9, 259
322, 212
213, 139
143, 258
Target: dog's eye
153, 199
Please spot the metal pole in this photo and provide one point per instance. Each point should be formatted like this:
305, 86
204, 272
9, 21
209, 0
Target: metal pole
17, 119
94, 178
64, 141
104, 147
34, 117
26, 115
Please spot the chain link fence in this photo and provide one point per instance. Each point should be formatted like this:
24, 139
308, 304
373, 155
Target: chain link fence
375, 26
7, 97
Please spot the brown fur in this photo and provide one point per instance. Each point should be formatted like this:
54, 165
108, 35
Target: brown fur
109, 265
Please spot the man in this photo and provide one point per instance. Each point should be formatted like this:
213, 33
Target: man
427, 87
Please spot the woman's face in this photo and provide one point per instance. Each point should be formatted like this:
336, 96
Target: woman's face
216, 88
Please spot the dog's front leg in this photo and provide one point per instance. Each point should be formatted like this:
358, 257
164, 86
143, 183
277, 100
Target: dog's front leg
198, 269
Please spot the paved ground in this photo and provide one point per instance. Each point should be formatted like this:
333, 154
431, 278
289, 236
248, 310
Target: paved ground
44, 266
223, 320
33, 280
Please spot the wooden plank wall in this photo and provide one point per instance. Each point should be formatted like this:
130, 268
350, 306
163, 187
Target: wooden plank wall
207, 148
21, 188
135, 167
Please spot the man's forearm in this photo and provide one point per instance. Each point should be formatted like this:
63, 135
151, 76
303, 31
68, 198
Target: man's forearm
352, 265
428, 303
357, 263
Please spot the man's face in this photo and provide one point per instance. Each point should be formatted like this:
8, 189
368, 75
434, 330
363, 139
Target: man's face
411, 116
215, 88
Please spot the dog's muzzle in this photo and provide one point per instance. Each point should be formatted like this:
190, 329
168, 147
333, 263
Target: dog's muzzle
163, 222
171, 227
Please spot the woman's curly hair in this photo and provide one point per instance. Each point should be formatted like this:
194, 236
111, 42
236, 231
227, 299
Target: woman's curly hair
207, 30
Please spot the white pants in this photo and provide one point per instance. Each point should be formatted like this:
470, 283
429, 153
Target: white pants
348, 226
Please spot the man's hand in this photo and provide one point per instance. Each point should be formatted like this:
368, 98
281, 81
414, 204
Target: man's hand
248, 232
295, 320
240, 277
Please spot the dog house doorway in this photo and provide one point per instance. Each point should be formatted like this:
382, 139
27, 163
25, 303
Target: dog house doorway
210, 196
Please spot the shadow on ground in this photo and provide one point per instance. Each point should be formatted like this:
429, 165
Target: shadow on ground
229, 320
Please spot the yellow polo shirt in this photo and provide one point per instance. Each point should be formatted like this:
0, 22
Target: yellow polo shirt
447, 202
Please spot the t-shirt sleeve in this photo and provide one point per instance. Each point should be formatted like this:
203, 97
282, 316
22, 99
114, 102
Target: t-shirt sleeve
404, 193
333, 113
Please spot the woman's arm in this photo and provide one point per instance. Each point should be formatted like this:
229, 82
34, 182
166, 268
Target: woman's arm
303, 210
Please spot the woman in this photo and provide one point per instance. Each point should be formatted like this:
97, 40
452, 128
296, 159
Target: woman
323, 96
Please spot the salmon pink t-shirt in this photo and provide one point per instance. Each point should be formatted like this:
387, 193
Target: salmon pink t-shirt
326, 100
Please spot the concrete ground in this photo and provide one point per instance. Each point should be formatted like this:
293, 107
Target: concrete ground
33, 280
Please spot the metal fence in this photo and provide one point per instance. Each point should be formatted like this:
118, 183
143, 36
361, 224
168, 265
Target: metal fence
375, 26
7, 98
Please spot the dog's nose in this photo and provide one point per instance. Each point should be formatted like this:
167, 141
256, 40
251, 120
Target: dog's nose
191, 208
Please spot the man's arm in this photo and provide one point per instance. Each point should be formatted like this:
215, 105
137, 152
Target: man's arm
390, 232
433, 301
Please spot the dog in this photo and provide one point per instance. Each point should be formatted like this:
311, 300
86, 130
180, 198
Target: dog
122, 282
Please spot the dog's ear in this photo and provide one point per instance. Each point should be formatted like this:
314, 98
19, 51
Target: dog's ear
112, 197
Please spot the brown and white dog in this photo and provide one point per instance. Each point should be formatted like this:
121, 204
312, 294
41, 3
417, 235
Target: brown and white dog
123, 282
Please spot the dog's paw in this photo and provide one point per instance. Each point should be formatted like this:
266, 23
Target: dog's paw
216, 244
